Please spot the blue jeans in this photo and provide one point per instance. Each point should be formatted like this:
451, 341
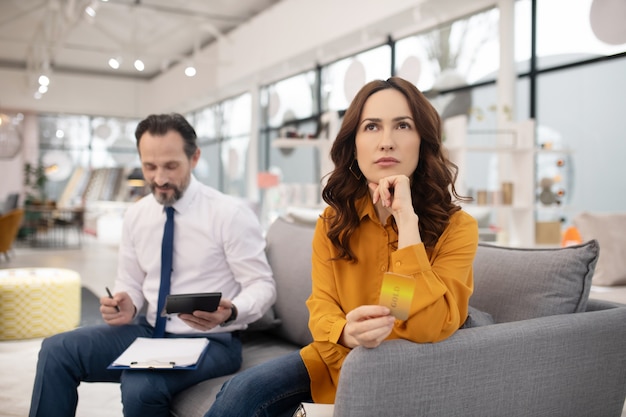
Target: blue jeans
83, 354
272, 389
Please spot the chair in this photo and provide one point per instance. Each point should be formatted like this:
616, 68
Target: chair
11, 202
9, 226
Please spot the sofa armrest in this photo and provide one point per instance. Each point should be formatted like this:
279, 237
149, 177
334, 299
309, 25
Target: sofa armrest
596, 304
566, 365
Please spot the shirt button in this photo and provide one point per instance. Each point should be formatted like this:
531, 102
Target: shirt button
398, 263
383, 268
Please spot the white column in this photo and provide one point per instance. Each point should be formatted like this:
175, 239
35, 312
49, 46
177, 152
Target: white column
506, 72
253, 149
505, 97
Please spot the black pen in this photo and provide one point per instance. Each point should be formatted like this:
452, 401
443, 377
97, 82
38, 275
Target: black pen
111, 297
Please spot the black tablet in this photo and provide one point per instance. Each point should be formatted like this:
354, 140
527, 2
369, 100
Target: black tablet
188, 303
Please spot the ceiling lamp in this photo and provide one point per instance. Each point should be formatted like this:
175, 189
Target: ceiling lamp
139, 65
43, 84
91, 12
190, 71
44, 80
114, 63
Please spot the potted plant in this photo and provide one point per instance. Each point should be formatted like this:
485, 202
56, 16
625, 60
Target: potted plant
35, 183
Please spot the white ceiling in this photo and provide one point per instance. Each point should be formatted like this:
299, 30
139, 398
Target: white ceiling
59, 34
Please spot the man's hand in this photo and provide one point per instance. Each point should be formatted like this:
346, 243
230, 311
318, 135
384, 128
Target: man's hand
367, 326
111, 315
204, 320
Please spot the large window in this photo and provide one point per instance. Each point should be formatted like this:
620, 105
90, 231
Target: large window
236, 121
104, 150
452, 55
289, 99
223, 131
290, 109
342, 79
73, 145
571, 31
206, 122
581, 112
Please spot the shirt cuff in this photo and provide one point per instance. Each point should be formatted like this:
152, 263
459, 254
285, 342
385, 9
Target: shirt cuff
410, 260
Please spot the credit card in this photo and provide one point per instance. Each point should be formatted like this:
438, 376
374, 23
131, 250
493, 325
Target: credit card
397, 294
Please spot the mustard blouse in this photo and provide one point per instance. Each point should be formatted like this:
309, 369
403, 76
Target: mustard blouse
444, 283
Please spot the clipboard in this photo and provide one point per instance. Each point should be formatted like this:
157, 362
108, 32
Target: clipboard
162, 354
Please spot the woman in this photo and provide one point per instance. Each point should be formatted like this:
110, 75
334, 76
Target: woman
391, 209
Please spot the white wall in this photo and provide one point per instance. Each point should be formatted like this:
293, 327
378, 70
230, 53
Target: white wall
73, 94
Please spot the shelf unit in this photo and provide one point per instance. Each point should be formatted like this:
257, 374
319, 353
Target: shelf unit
513, 146
274, 201
323, 144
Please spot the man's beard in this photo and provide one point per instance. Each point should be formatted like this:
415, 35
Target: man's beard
165, 198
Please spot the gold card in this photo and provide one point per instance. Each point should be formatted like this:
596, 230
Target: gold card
397, 294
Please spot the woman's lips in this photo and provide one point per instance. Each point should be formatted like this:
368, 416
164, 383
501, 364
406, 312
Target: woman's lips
386, 161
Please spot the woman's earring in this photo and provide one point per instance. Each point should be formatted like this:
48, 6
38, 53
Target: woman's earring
354, 169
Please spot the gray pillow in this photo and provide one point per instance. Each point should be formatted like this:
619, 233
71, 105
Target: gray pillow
518, 284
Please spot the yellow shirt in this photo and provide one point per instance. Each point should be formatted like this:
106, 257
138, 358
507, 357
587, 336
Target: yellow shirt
444, 283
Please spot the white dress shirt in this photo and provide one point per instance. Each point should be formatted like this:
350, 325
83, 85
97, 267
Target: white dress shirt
218, 247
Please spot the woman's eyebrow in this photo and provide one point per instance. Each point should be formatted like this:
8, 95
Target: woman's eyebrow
371, 119
378, 119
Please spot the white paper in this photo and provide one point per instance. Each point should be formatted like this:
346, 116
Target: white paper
162, 352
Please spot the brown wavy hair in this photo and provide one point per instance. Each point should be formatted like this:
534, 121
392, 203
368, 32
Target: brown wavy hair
432, 183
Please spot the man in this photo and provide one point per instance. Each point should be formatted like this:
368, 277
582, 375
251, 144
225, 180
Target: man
217, 247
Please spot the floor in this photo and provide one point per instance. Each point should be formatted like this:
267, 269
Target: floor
96, 262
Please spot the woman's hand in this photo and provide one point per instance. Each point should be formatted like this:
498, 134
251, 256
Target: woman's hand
117, 310
367, 326
394, 194
204, 320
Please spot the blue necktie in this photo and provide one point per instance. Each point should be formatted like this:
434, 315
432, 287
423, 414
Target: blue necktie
167, 248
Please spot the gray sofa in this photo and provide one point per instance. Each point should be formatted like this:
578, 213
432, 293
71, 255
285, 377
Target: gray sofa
550, 351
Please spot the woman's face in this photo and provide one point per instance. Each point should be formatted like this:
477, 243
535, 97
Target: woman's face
387, 141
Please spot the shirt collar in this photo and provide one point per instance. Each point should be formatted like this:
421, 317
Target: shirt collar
188, 196
365, 208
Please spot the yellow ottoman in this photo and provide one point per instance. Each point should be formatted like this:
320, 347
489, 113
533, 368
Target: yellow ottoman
38, 302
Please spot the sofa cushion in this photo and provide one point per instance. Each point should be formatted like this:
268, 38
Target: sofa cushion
518, 284
608, 230
289, 255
